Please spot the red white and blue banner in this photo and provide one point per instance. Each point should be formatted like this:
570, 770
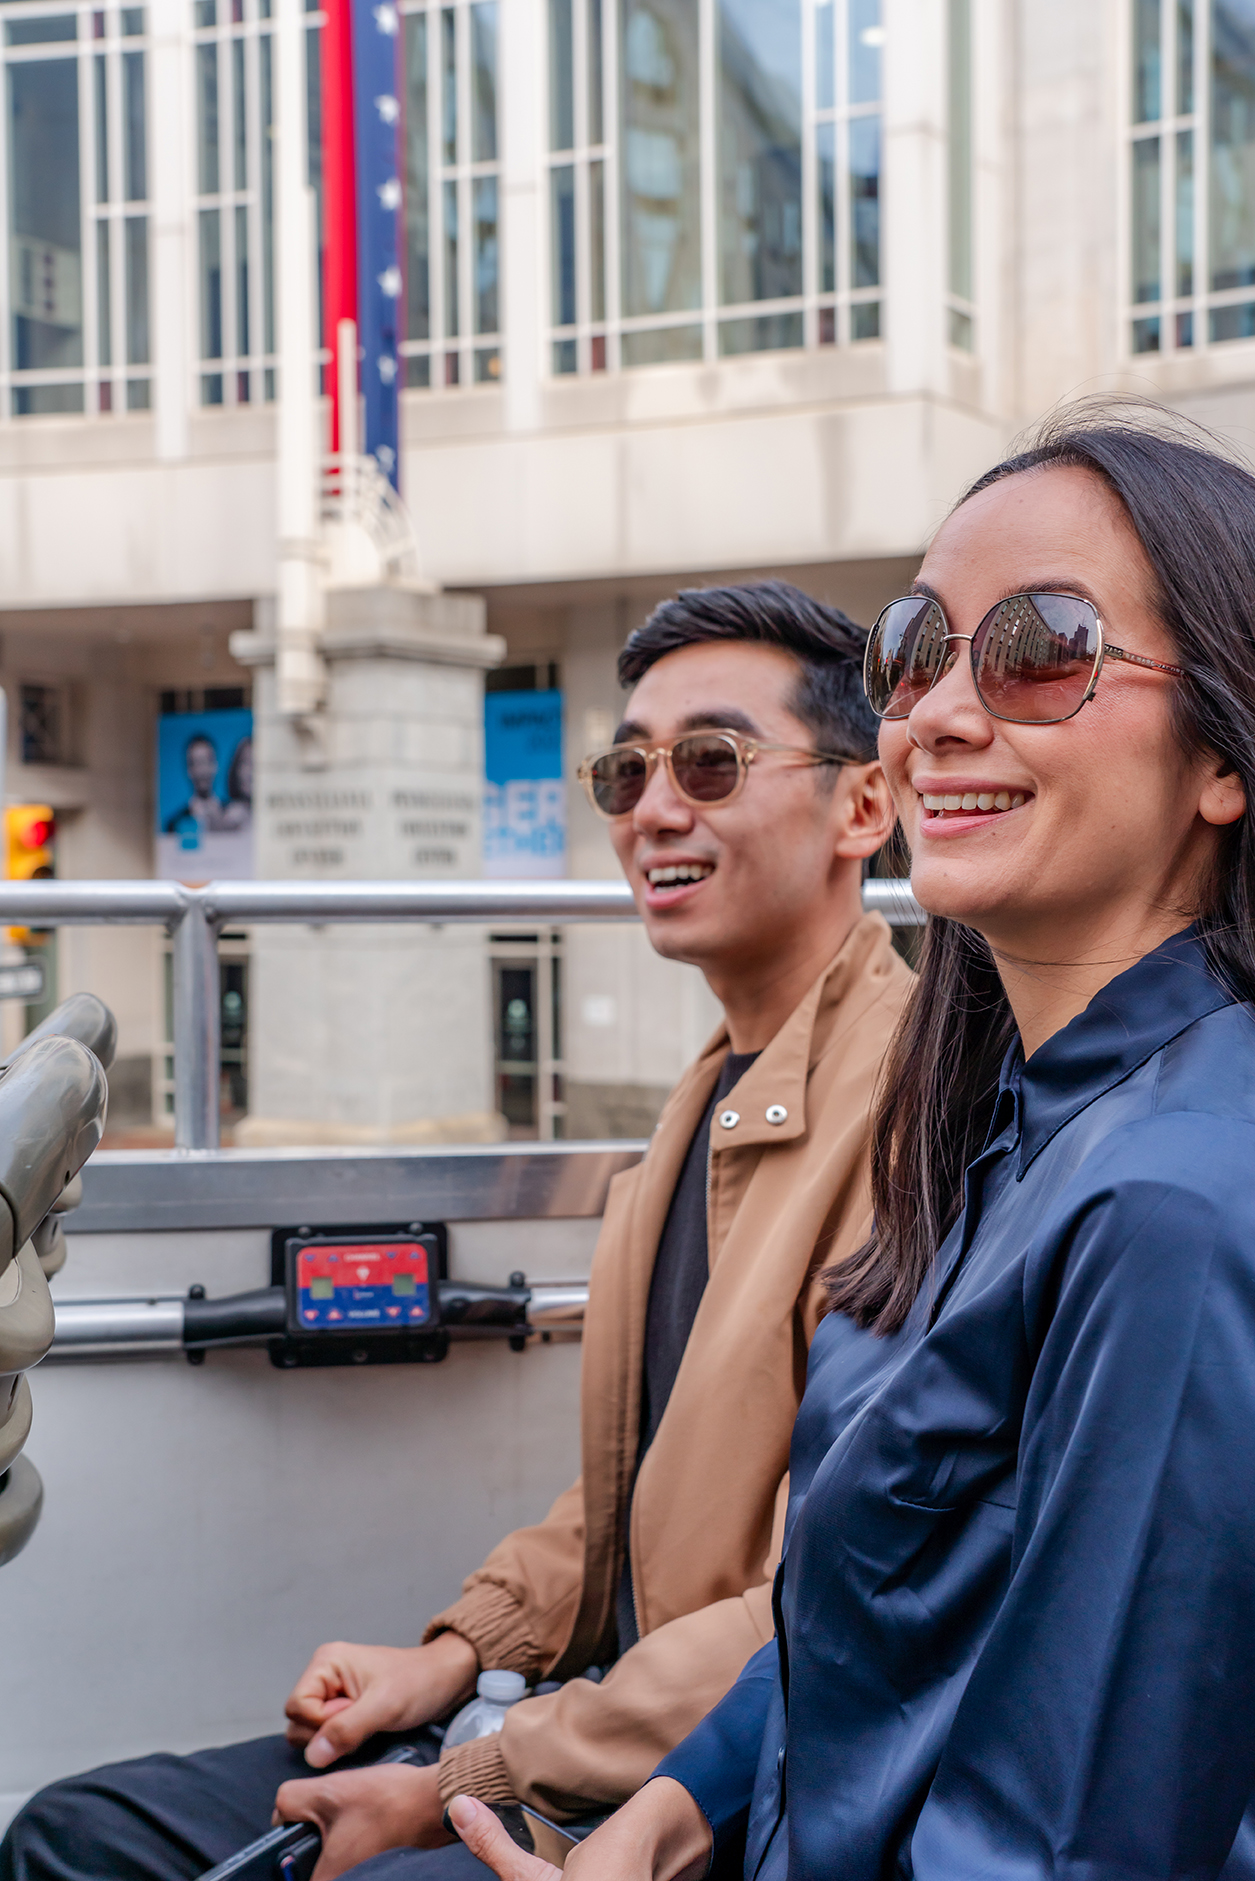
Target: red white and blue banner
362, 140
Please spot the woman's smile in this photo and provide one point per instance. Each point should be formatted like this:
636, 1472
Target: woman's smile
955, 806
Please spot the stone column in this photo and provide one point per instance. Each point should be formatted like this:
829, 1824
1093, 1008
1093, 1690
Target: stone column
373, 1034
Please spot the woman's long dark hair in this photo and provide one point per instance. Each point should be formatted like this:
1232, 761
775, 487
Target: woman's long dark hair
1193, 509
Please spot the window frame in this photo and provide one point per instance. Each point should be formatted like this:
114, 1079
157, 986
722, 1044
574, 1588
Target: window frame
1172, 310
466, 358
117, 387
827, 315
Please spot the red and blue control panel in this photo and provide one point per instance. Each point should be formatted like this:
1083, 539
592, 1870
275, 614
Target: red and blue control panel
362, 1286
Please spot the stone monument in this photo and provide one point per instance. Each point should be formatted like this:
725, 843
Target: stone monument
372, 1034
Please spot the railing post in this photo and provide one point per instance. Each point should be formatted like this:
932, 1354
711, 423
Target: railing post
196, 1027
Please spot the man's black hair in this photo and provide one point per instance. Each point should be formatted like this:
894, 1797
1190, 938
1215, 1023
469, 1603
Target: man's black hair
827, 645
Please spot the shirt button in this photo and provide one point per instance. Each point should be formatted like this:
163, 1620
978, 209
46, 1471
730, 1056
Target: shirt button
780, 1760
776, 1113
729, 1119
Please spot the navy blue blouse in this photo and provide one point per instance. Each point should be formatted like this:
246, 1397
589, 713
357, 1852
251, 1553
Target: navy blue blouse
1016, 1610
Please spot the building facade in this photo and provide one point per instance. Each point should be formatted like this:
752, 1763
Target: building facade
693, 290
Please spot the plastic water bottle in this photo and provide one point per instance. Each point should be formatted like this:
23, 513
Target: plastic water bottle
495, 1692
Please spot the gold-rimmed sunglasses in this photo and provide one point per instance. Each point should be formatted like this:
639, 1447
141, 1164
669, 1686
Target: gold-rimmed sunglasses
704, 767
1036, 658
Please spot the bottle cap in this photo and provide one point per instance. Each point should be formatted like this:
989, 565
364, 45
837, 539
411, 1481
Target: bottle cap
503, 1688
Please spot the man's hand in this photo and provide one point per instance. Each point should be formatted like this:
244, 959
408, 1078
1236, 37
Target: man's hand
659, 1835
364, 1812
347, 1693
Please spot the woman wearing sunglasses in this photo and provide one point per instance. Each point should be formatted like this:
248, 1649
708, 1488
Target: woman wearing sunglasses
1016, 1609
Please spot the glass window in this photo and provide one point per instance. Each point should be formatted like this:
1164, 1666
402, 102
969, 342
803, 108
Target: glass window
562, 244
1233, 144
661, 221
826, 178
449, 43
101, 106
1185, 212
266, 81
684, 242
596, 74
451, 259
960, 149
43, 32
825, 58
207, 118
1146, 219
239, 117
242, 345
46, 230
865, 201
486, 255
136, 290
104, 303
211, 286
760, 150
417, 215
1185, 57
867, 37
484, 92
135, 159
452, 202
561, 76
1146, 61
767, 333
597, 239
658, 346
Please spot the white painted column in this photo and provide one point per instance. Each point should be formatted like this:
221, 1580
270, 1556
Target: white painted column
300, 677
524, 37
171, 252
913, 184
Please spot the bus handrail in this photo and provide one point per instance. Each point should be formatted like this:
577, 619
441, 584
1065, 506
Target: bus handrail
194, 918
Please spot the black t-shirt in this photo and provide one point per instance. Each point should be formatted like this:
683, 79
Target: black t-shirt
681, 1270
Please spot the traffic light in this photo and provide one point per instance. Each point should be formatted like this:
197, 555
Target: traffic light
30, 831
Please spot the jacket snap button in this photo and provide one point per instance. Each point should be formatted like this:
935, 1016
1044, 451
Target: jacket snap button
729, 1119
776, 1113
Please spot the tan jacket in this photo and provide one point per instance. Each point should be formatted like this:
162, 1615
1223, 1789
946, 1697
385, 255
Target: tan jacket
785, 1198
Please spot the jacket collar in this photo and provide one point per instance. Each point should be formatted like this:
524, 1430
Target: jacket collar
1134, 1016
776, 1081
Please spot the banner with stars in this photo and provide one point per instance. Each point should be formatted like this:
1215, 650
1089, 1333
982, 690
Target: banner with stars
377, 124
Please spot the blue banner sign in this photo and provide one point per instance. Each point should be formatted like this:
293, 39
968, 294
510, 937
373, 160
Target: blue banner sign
524, 793
205, 796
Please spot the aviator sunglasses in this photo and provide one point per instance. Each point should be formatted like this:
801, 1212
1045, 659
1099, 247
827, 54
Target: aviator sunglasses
704, 767
1036, 658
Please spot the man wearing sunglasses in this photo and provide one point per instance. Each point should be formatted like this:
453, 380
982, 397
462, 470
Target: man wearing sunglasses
742, 796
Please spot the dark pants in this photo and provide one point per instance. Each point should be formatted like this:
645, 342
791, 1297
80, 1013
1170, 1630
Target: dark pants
166, 1818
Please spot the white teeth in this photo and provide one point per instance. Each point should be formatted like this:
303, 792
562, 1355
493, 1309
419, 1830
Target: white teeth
973, 800
679, 872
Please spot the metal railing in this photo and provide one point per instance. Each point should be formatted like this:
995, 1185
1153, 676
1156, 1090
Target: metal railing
194, 918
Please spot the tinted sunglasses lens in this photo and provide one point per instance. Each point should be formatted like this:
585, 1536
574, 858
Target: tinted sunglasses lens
705, 768
1035, 657
904, 653
618, 780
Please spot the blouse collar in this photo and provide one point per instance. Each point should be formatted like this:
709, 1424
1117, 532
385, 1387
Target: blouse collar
1128, 1021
